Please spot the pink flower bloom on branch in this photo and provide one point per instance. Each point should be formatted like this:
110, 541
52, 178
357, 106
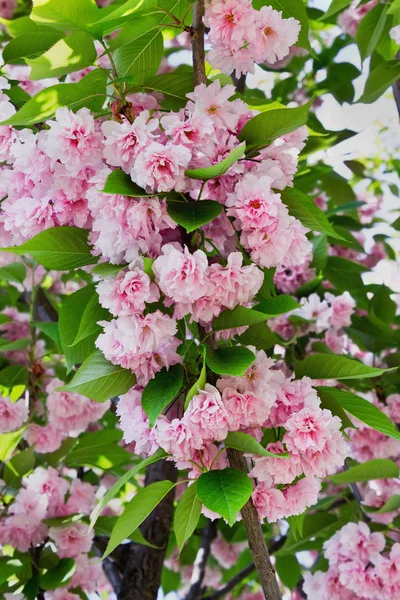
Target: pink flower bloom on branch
12, 414
127, 293
160, 168
72, 540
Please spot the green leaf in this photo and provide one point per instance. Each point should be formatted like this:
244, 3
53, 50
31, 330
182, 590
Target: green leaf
8, 443
392, 505
219, 169
121, 14
14, 375
289, 570
379, 468
370, 30
50, 329
379, 80
187, 515
89, 92
87, 317
332, 366
173, 86
307, 212
136, 511
139, 49
107, 270
382, 306
247, 443
200, 383
362, 409
73, 53
113, 491
71, 15
59, 575
119, 182
14, 272
59, 248
279, 305
224, 492
194, 214
320, 252
161, 390
78, 332
232, 360
330, 402
18, 466
262, 129
100, 380
21, 344
99, 449
238, 317
30, 45
260, 337
335, 7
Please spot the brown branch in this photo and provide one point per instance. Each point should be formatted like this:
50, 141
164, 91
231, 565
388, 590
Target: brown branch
109, 567
142, 571
197, 35
257, 545
199, 567
238, 578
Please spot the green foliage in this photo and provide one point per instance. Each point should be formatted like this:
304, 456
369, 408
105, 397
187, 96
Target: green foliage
332, 366
72, 53
220, 168
138, 49
379, 79
161, 390
194, 214
370, 30
89, 92
224, 492
378, 468
187, 515
262, 129
303, 208
247, 443
233, 360
136, 511
60, 248
59, 575
100, 380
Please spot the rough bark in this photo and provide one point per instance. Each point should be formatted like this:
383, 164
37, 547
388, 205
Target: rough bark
197, 35
257, 545
199, 567
143, 567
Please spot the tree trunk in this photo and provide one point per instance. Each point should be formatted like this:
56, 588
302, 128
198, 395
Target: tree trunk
143, 567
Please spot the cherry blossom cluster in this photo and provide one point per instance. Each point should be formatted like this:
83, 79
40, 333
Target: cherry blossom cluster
350, 19
329, 315
46, 494
263, 398
241, 36
360, 566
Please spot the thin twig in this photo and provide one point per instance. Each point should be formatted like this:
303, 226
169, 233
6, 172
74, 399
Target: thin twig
197, 35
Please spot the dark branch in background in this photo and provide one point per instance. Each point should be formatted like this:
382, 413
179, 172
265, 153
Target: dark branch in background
199, 567
142, 571
109, 567
197, 35
396, 89
257, 545
239, 83
357, 497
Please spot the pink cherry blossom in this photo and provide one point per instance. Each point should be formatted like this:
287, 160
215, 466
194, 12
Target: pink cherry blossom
72, 539
274, 35
209, 414
44, 439
12, 414
135, 424
160, 168
282, 470
300, 496
81, 499
269, 502
178, 437
342, 308
128, 292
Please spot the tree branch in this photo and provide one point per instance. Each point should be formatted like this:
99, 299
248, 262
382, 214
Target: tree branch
197, 35
199, 567
396, 89
110, 569
257, 545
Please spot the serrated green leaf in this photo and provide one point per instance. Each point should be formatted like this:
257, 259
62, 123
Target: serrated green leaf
73, 53
220, 168
136, 512
379, 468
161, 390
187, 515
30, 45
194, 214
307, 212
71, 15
224, 492
14, 272
59, 248
332, 366
370, 30
99, 379
247, 443
59, 575
232, 360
